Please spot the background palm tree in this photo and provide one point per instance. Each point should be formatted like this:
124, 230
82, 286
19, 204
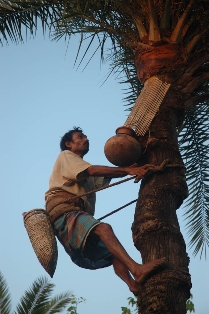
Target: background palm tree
37, 299
5, 300
168, 39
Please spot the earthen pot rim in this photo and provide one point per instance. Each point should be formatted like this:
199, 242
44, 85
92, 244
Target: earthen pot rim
125, 130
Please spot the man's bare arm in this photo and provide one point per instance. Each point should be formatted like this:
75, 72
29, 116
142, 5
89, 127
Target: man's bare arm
116, 172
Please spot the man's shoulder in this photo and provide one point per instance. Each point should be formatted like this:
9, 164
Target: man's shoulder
67, 154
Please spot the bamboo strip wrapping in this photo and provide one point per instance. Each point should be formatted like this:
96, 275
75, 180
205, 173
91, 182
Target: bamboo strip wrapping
147, 105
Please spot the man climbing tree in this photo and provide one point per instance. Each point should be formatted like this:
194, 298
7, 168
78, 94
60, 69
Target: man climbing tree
90, 243
167, 39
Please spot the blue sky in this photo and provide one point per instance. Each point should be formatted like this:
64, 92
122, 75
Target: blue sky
42, 97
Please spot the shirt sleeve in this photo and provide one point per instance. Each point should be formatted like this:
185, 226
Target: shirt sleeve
73, 167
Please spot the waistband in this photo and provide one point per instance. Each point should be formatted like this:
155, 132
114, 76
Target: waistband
62, 202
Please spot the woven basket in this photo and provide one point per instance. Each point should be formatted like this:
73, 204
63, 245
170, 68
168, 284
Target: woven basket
42, 238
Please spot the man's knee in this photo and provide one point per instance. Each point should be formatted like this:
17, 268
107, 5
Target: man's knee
102, 229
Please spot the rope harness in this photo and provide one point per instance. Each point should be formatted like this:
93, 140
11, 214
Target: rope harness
161, 167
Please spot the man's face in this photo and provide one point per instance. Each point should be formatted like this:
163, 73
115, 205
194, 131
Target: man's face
79, 144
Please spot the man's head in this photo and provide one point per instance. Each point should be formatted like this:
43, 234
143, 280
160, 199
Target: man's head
75, 141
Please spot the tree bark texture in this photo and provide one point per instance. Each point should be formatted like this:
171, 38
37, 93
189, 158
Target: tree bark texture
156, 231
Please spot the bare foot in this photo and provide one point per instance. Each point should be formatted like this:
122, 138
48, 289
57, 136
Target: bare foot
146, 269
134, 288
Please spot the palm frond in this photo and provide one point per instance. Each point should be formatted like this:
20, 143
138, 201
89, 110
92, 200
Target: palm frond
5, 299
59, 303
194, 148
17, 18
65, 16
122, 66
36, 298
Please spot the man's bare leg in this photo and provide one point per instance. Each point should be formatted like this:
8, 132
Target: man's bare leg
139, 272
124, 274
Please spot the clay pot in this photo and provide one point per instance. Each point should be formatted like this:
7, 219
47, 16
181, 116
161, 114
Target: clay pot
123, 149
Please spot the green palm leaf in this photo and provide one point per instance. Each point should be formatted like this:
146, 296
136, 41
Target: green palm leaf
19, 17
59, 303
195, 152
36, 298
5, 299
122, 65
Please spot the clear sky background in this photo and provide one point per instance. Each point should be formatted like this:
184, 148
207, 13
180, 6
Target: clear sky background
42, 97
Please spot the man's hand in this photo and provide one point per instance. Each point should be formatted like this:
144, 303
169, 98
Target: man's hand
140, 172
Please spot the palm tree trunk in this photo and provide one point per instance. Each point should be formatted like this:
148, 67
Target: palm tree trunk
156, 231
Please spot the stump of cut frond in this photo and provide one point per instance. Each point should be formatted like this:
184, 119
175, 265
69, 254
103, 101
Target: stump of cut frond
42, 238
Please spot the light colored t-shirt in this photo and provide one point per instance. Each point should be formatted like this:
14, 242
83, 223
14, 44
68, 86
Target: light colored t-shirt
69, 175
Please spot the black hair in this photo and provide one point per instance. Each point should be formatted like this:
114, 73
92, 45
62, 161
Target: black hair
67, 137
